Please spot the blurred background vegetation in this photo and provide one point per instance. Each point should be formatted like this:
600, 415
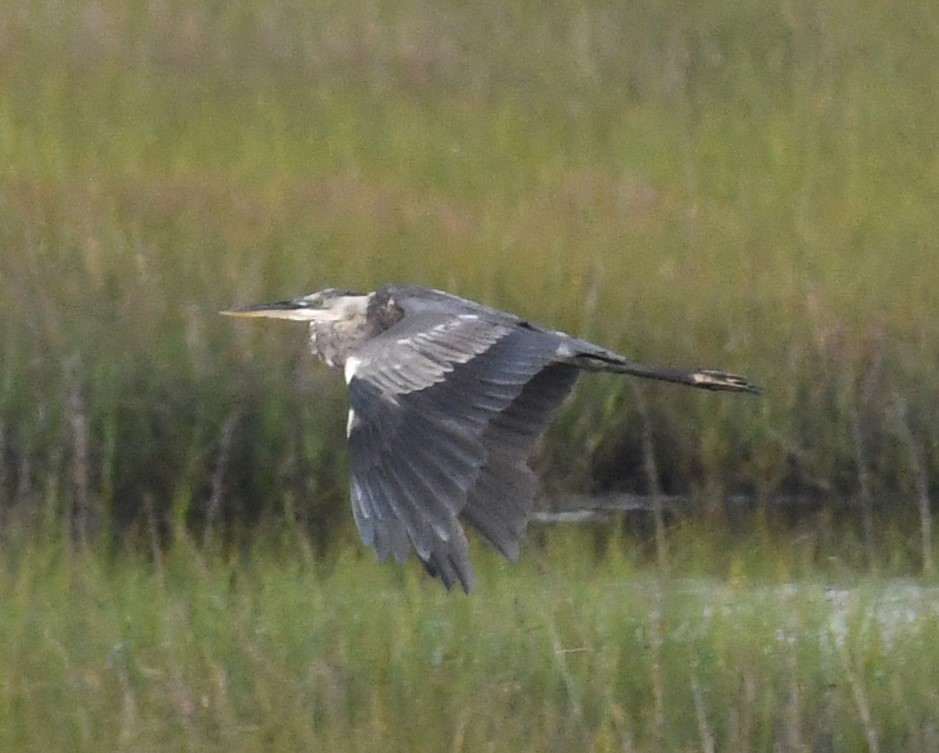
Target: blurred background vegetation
746, 185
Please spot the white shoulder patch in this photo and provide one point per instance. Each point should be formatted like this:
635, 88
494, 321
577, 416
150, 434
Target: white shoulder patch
352, 364
351, 422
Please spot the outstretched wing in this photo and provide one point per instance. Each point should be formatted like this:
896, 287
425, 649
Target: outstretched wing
500, 502
444, 410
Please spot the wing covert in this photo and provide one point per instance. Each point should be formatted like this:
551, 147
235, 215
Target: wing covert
421, 350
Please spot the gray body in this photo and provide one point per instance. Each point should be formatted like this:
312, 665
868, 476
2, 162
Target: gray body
447, 398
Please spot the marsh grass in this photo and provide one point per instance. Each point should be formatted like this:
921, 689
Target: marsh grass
276, 650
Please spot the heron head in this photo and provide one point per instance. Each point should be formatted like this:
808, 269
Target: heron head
329, 305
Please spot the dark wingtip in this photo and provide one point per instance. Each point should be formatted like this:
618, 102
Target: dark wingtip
444, 567
712, 379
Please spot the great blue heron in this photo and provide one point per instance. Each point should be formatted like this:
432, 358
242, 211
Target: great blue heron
447, 398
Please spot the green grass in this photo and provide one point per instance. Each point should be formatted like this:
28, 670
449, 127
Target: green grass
567, 651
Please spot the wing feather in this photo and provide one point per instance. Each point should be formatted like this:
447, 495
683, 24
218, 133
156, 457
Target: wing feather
445, 416
420, 351
500, 502
375, 518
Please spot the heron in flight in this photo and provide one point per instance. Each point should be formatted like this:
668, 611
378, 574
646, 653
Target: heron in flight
447, 397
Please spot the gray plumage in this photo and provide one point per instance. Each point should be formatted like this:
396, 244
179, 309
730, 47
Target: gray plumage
447, 398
